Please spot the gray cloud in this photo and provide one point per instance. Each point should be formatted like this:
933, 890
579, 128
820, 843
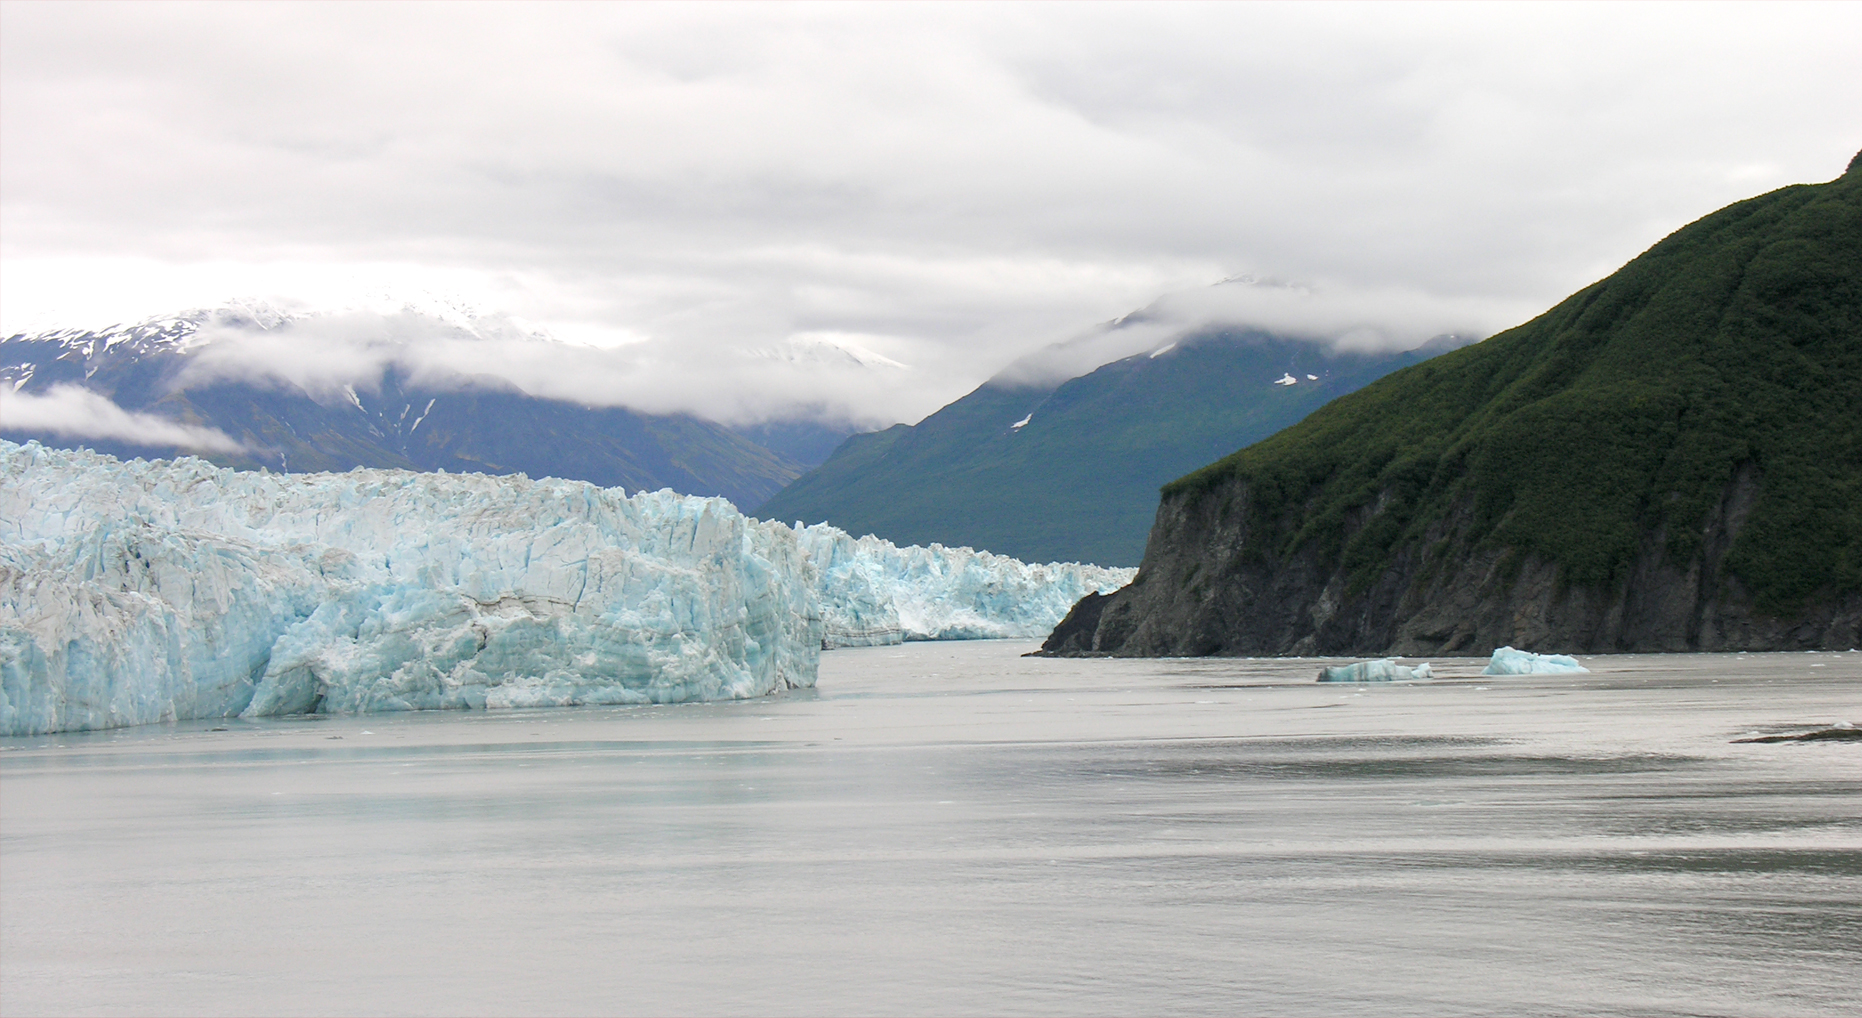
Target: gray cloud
957, 186
1386, 318
77, 412
824, 375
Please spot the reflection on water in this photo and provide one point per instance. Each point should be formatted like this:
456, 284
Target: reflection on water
951, 828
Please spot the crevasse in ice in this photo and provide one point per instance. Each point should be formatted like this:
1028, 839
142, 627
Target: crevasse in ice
142, 591
1507, 661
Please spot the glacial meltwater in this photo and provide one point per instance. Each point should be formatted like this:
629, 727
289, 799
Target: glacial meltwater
950, 828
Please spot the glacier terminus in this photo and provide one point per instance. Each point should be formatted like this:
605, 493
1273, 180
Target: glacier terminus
143, 591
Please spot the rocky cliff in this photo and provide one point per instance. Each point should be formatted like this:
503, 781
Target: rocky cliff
1669, 460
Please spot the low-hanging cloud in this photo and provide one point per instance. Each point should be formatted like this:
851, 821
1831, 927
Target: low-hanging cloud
1336, 317
76, 412
693, 187
827, 376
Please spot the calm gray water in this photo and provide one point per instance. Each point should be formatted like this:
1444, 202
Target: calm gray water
950, 828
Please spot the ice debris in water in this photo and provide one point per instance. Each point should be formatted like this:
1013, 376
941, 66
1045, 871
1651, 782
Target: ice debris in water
1507, 661
147, 591
1382, 670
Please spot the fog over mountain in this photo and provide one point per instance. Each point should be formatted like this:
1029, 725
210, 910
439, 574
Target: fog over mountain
859, 213
253, 385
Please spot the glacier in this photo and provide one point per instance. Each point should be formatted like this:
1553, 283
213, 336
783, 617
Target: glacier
873, 592
143, 591
1507, 661
1382, 670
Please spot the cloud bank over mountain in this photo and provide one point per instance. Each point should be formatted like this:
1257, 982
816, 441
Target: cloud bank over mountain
75, 412
822, 376
954, 187
1364, 321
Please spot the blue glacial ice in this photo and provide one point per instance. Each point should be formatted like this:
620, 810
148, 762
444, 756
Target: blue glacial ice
874, 592
1507, 661
1382, 670
146, 591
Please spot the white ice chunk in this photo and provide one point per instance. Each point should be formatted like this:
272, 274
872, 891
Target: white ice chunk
1381, 670
1286, 380
1507, 661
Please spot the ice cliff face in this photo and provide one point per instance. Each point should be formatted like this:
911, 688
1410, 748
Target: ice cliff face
874, 592
134, 592
143, 591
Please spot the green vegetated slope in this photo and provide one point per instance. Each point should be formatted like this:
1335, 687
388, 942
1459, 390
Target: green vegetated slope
1078, 481
1671, 458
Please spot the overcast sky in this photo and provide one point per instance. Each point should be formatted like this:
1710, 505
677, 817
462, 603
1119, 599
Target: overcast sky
696, 192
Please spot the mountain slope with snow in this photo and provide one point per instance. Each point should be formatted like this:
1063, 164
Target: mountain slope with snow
1070, 471
168, 378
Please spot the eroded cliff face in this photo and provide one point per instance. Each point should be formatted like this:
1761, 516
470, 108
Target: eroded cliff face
1207, 587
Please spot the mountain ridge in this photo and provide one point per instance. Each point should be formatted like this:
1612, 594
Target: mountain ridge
1068, 470
459, 423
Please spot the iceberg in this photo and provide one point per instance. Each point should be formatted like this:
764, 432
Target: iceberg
1382, 670
1507, 661
135, 592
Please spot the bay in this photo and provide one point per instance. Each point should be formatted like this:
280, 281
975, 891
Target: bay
952, 828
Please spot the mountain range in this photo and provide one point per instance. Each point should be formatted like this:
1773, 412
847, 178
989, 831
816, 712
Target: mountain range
460, 423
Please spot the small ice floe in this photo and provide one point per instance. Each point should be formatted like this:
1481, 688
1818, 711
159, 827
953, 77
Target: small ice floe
1287, 380
1507, 661
1382, 670
1312, 378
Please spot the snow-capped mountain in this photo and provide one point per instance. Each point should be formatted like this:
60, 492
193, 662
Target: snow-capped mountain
256, 384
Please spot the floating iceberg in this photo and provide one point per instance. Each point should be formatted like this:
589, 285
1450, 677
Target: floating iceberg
1507, 661
1382, 670
873, 592
146, 591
